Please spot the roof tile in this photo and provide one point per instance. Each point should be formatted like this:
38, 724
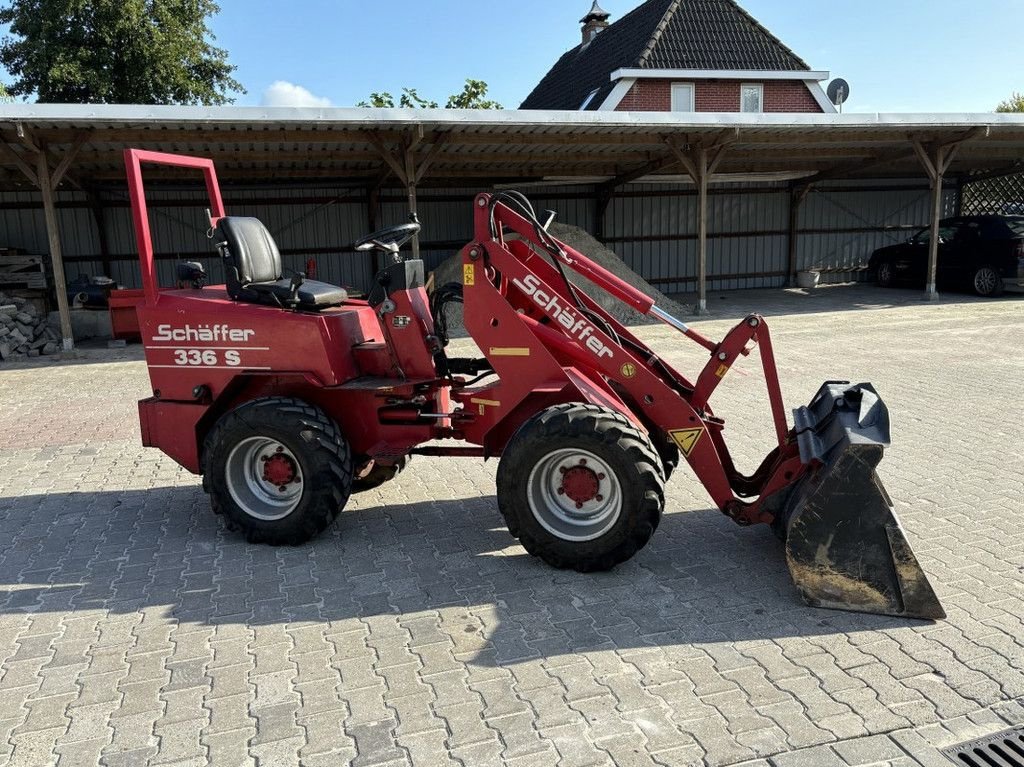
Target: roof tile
663, 34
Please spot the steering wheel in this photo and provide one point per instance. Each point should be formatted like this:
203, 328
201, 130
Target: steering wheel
389, 240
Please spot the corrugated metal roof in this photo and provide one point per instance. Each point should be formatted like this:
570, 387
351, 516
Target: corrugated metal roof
254, 144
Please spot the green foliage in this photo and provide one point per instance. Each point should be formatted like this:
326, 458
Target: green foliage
1013, 104
473, 96
115, 52
4, 95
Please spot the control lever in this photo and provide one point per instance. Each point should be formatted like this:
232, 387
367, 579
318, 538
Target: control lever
293, 295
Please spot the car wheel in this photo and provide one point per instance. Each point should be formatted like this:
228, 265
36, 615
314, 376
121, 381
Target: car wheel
885, 275
987, 282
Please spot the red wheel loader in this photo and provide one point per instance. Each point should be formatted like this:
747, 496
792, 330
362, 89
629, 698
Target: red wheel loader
287, 395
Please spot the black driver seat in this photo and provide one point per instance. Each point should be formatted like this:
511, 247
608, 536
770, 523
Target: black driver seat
253, 272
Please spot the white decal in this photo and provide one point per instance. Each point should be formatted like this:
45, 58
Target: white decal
204, 333
204, 358
580, 328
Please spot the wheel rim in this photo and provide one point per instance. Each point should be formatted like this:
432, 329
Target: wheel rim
264, 478
985, 280
884, 273
574, 494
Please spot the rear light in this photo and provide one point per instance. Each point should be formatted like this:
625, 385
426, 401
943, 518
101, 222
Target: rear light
1019, 250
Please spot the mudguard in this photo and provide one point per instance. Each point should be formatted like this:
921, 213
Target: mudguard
845, 547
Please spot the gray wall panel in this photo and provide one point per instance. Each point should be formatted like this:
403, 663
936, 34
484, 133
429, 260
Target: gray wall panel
652, 226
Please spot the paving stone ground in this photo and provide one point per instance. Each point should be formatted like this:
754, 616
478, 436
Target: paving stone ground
135, 630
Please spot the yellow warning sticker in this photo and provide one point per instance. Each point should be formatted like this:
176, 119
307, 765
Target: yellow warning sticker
509, 351
468, 275
483, 404
722, 370
628, 370
687, 439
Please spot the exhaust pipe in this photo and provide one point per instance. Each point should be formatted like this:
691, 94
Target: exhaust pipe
845, 547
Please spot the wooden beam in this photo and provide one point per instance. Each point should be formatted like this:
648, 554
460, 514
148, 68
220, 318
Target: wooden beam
19, 163
431, 155
53, 234
68, 158
388, 157
653, 166
703, 172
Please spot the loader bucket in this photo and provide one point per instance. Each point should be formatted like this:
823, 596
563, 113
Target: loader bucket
845, 547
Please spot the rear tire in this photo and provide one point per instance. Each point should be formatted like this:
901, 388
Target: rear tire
278, 470
987, 282
885, 275
581, 487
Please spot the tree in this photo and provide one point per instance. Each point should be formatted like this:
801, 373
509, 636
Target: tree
4, 95
115, 52
1014, 104
472, 97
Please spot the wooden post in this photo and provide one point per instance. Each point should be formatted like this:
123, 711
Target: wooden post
702, 231
53, 233
931, 292
701, 163
935, 166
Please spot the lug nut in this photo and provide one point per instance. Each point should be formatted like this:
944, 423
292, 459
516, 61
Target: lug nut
561, 491
579, 505
600, 476
280, 449
600, 497
583, 461
562, 469
264, 457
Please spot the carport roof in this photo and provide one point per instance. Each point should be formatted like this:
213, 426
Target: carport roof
255, 145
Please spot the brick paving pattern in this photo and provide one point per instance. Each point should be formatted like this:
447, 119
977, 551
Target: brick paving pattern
135, 630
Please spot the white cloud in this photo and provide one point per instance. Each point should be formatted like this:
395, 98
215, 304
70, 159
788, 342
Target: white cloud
285, 94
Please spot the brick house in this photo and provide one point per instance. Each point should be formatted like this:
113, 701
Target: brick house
680, 56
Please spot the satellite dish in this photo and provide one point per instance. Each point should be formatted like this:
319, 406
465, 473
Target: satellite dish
838, 92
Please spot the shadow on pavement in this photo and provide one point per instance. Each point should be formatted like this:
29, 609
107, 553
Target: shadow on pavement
701, 580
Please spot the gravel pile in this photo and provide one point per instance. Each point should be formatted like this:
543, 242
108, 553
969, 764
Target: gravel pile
578, 239
23, 331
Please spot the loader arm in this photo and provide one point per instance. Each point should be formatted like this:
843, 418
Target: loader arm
520, 307
565, 329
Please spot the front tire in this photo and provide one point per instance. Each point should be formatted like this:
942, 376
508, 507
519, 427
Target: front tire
987, 282
581, 487
885, 275
278, 470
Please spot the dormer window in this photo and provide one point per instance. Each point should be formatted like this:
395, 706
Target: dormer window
589, 98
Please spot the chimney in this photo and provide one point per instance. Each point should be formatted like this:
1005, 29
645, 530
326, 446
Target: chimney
594, 22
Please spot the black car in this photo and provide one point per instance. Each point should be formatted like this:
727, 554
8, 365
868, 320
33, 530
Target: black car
980, 253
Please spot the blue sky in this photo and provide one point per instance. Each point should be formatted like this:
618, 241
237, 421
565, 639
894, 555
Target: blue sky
898, 55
